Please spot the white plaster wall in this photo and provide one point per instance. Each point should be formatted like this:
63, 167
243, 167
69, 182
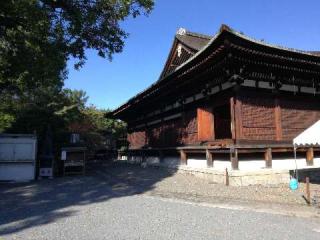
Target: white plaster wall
251, 165
197, 163
316, 162
277, 164
288, 164
171, 161
221, 165
153, 160
134, 159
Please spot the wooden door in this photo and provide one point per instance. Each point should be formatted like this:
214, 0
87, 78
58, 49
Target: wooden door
205, 124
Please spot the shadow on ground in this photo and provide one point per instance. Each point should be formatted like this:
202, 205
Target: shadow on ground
25, 205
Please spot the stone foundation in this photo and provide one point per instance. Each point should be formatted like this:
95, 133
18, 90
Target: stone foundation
251, 172
239, 178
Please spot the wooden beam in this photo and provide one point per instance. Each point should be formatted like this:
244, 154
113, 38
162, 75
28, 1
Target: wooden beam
183, 157
209, 159
278, 124
268, 157
309, 156
234, 159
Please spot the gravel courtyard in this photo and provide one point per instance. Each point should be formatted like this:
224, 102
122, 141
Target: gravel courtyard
128, 202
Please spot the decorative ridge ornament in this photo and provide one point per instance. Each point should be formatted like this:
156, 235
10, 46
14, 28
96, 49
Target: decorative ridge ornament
179, 50
181, 31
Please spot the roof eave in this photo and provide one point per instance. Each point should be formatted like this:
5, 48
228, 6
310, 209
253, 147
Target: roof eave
223, 29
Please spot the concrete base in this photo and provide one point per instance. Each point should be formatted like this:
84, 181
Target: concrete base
251, 172
240, 178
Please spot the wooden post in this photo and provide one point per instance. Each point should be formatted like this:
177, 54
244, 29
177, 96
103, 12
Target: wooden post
234, 159
232, 115
128, 156
309, 156
161, 156
238, 118
227, 177
277, 115
268, 157
209, 159
183, 157
308, 197
143, 156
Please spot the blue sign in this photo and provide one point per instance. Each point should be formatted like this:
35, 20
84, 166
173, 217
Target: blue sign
293, 184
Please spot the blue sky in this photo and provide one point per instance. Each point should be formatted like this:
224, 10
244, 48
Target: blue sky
291, 23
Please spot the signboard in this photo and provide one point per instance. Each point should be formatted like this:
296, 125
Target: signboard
63, 155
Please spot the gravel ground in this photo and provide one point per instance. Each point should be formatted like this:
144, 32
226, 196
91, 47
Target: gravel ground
188, 185
122, 202
139, 217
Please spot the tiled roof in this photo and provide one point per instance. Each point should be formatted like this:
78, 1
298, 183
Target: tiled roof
194, 41
315, 53
199, 43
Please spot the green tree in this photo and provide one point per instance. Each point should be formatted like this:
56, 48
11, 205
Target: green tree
98, 119
37, 37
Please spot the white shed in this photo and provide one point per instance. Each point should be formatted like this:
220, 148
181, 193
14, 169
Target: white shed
17, 157
309, 137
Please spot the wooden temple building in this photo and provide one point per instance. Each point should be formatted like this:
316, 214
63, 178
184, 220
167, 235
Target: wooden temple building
226, 101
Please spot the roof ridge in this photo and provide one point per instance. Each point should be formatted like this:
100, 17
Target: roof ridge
182, 31
226, 28
199, 35
314, 52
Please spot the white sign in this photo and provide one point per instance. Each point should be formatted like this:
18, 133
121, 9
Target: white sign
63, 155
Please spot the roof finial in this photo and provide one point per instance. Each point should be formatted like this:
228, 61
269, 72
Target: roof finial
182, 31
225, 27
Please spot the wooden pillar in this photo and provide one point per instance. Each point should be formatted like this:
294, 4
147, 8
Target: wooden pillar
268, 157
143, 156
183, 157
308, 195
232, 115
161, 156
128, 155
238, 118
277, 115
309, 156
209, 159
234, 159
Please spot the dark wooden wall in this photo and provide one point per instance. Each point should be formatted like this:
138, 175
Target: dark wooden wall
179, 131
276, 117
297, 116
137, 139
257, 116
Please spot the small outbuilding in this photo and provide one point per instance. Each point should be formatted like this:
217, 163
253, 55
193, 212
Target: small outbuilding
17, 157
310, 139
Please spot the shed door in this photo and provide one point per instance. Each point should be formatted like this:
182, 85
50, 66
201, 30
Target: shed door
205, 124
17, 159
